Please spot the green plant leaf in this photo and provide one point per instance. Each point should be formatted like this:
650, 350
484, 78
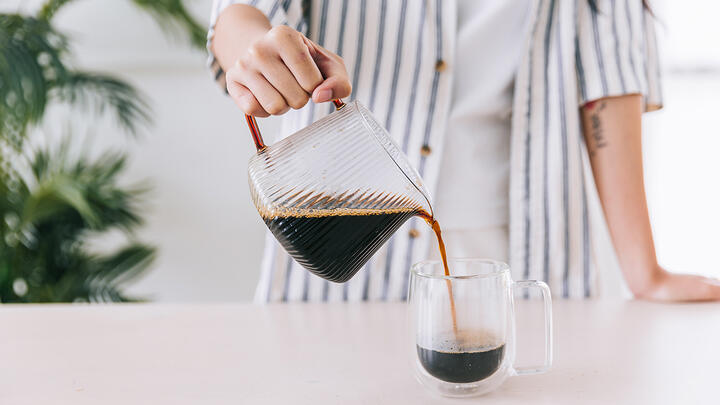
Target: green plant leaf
118, 268
105, 92
31, 54
172, 14
64, 202
51, 202
55, 195
51, 7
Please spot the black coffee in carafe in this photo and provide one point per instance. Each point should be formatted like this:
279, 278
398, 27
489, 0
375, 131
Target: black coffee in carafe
335, 244
462, 357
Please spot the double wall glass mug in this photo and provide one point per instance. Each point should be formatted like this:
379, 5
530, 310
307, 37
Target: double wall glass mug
334, 192
462, 327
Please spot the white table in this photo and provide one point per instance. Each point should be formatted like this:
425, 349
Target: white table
605, 352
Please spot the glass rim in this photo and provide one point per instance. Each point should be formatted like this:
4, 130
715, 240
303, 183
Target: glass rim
500, 268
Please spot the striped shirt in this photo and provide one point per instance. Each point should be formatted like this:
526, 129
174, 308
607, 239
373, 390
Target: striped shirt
400, 56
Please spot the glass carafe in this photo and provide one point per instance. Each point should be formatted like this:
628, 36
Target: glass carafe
334, 192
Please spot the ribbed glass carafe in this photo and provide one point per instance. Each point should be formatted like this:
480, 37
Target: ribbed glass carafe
334, 192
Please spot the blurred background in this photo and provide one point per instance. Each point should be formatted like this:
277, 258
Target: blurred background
202, 240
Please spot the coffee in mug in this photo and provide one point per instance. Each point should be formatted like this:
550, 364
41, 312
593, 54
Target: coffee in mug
463, 356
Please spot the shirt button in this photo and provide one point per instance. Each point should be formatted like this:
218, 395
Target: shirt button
440, 65
425, 150
413, 233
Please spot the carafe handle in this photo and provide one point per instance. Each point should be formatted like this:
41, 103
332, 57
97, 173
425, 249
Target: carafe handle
255, 130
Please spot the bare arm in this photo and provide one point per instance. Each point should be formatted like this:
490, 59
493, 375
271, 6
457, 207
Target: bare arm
272, 69
612, 129
237, 27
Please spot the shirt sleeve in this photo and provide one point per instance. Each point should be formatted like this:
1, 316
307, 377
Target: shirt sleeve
279, 12
616, 51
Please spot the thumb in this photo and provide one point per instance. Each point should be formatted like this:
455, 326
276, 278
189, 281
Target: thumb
336, 83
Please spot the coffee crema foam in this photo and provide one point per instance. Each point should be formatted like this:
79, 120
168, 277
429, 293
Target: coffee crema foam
333, 212
465, 340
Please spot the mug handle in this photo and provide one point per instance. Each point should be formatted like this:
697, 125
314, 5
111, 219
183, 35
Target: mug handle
545, 291
255, 130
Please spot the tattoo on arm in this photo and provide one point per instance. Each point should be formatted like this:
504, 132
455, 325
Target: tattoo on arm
597, 135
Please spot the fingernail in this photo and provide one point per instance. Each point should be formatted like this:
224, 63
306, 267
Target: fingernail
324, 95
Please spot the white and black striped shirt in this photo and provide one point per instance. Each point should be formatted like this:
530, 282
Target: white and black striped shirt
400, 55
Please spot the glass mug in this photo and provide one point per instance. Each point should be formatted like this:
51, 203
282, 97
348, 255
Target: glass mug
462, 326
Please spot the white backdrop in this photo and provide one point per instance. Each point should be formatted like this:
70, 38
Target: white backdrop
682, 140
200, 215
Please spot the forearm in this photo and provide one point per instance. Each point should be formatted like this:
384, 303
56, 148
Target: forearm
237, 27
612, 129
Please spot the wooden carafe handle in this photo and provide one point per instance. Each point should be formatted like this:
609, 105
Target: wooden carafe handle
255, 130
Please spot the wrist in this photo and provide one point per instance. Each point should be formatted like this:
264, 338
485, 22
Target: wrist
648, 281
238, 27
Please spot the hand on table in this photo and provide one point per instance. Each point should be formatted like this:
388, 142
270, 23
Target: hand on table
672, 287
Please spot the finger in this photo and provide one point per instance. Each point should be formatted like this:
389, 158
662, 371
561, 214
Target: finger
332, 88
280, 77
242, 96
296, 56
336, 83
268, 97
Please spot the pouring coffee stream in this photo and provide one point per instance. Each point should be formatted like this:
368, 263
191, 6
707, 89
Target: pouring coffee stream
333, 193
435, 225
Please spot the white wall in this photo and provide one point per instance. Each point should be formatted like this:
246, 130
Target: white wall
682, 140
200, 214
683, 173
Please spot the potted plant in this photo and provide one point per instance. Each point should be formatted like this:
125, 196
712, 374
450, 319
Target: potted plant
53, 202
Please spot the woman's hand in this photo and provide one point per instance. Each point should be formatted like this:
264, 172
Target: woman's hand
671, 287
282, 70
268, 69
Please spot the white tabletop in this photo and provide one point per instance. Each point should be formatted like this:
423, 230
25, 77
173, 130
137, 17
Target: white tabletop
605, 352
